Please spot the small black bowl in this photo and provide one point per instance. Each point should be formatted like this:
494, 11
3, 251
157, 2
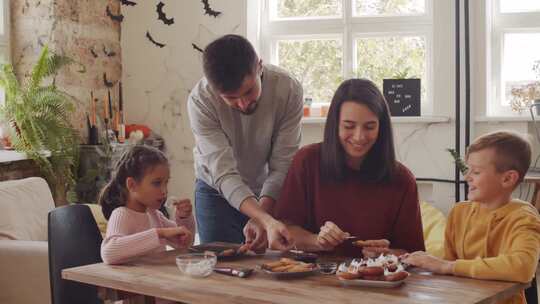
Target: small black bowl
306, 257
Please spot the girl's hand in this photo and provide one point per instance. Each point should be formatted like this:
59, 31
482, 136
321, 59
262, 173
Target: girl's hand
179, 236
330, 236
182, 208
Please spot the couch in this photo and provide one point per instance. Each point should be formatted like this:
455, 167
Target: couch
24, 260
24, 270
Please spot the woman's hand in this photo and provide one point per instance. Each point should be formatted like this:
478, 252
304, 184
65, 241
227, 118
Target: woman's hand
180, 236
434, 264
330, 236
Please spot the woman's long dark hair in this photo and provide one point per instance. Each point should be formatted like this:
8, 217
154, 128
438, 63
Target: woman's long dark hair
380, 162
134, 163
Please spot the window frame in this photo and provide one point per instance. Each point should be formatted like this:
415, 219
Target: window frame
349, 28
427, 104
5, 39
498, 24
5, 36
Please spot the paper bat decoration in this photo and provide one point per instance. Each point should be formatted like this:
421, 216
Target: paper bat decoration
108, 84
108, 53
208, 10
197, 47
118, 17
153, 41
161, 14
93, 52
127, 2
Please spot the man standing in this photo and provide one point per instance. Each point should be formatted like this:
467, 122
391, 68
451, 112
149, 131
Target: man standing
245, 116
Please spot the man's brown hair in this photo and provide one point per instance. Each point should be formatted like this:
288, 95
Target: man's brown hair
512, 151
227, 61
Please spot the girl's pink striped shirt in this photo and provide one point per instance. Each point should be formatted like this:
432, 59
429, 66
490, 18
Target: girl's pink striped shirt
131, 234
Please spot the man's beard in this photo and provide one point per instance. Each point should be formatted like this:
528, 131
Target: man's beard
250, 110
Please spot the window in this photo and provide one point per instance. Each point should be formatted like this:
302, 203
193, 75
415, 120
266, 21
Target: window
322, 42
4, 37
4, 31
4, 47
515, 55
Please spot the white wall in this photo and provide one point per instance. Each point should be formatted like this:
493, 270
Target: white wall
157, 82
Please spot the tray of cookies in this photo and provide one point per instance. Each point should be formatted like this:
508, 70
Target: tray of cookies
286, 268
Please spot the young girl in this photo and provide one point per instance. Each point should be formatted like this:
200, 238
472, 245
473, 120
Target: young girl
130, 201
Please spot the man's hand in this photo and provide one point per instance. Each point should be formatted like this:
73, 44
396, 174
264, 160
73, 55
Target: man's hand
267, 203
278, 235
330, 236
434, 264
255, 236
276, 232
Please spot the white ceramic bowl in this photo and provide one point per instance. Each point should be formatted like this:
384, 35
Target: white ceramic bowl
196, 264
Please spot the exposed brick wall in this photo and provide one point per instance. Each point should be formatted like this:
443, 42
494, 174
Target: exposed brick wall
73, 28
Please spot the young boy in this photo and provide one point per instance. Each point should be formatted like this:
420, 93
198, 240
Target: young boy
491, 236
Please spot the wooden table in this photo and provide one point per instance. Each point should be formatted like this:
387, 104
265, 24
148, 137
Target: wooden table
158, 276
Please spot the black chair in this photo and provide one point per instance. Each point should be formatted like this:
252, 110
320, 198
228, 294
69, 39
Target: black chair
531, 293
74, 240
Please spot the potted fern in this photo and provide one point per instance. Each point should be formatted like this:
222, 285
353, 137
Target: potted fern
37, 117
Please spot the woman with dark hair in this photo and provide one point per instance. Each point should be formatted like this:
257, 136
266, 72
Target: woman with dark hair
351, 184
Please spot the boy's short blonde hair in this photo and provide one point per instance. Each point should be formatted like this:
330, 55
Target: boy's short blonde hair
512, 151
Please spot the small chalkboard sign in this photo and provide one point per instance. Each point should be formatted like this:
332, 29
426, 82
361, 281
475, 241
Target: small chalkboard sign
403, 96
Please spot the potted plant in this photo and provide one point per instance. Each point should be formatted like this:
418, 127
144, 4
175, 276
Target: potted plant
462, 167
403, 92
37, 117
523, 96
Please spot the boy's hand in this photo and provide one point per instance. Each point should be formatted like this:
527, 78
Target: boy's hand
183, 208
434, 264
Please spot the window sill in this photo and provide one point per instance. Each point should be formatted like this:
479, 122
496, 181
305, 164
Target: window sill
412, 120
11, 156
7, 156
523, 118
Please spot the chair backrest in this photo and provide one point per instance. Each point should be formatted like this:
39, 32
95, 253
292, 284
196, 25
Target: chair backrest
74, 240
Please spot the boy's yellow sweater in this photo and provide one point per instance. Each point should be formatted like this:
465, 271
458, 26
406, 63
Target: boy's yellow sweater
501, 244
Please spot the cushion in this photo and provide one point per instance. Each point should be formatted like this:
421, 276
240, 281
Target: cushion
24, 205
99, 217
434, 223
